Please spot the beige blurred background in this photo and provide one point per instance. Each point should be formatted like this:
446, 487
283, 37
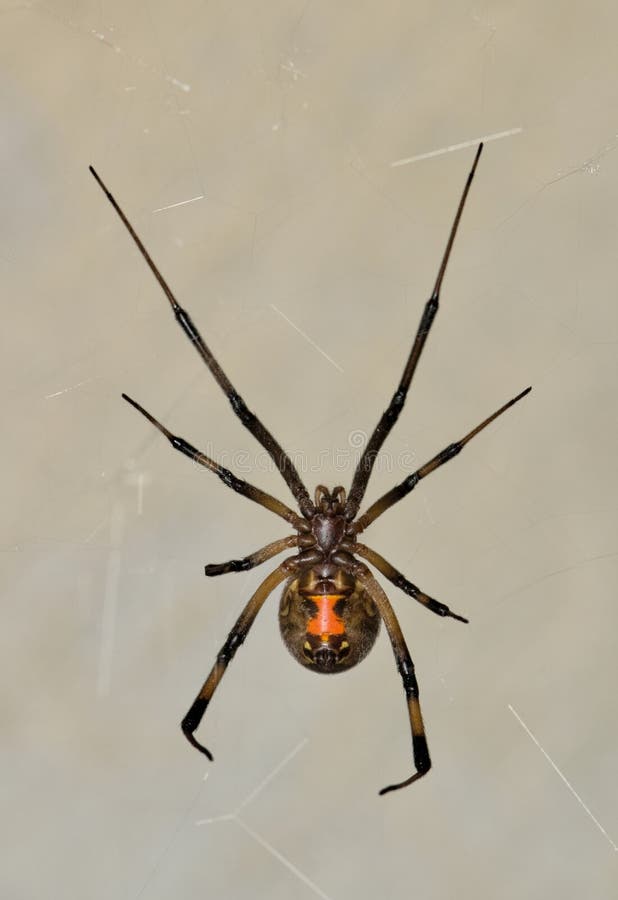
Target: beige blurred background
253, 145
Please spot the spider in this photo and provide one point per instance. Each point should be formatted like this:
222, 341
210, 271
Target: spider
331, 606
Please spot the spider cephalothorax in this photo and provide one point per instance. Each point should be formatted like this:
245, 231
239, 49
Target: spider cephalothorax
331, 607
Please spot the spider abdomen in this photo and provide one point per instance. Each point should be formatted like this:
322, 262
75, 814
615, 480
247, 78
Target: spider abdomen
327, 625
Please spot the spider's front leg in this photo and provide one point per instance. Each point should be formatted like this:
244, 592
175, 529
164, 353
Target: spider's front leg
234, 639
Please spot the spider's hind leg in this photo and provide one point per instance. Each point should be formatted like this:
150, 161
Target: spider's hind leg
405, 666
233, 641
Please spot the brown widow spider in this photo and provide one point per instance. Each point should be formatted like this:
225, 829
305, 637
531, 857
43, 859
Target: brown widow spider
330, 611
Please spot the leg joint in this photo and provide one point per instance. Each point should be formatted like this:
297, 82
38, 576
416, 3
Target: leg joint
194, 716
449, 452
185, 447
184, 320
240, 408
422, 760
399, 398
411, 481
232, 643
406, 586
406, 670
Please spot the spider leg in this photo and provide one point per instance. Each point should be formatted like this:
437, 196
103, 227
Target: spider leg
237, 484
390, 416
254, 559
408, 484
249, 419
233, 641
422, 760
400, 581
